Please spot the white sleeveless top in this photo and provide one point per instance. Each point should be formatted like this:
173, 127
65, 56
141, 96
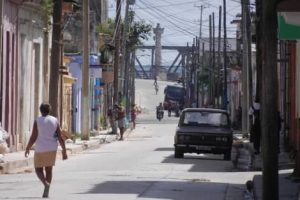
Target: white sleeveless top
47, 138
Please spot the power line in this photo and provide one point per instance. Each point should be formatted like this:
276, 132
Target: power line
172, 22
167, 5
182, 29
174, 16
117, 26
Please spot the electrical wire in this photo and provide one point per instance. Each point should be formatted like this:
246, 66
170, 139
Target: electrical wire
117, 26
169, 5
174, 16
181, 30
153, 14
157, 13
180, 19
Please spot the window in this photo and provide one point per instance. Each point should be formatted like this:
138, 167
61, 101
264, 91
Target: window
197, 118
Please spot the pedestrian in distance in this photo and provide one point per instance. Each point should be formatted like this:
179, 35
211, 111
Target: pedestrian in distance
120, 112
45, 136
159, 111
111, 115
155, 81
279, 121
255, 131
133, 113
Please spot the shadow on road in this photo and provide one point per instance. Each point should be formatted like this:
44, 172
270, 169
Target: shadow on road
165, 149
173, 190
202, 162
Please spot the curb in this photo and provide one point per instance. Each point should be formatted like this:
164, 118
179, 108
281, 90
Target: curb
16, 166
22, 164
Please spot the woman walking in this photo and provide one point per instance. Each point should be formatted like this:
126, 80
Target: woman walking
45, 135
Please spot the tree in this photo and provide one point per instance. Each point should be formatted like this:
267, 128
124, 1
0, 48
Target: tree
138, 32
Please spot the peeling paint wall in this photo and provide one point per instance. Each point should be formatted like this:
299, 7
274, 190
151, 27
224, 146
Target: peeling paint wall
30, 70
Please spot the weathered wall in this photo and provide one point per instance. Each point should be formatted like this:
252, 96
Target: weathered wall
9, 72
30, 69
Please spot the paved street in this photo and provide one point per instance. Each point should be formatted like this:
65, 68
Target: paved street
141, 167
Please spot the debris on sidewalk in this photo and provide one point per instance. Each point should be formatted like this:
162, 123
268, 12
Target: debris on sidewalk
3, 145
241, 154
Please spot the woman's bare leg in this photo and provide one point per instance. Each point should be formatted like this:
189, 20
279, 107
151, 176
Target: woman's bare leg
48, 174
47, 181
40, 174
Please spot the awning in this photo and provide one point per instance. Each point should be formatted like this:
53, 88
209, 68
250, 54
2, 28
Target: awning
287, 31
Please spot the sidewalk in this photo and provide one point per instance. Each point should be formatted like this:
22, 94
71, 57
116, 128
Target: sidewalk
245, 159
17, 163
288, 189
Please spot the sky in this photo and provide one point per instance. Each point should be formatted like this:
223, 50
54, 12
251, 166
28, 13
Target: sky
180, 20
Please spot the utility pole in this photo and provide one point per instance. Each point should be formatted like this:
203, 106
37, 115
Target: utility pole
132, 64
219, 56
225, 101
269, 106
201, 14
117, 52
183, 59
202, 62
200, 26
85, 94
249, 51
200, 22
246, 84
197, 71
245, 94
194, 72
259, 47
125, 59
199, 51
187, 77
55, 56
210, 99
213, 62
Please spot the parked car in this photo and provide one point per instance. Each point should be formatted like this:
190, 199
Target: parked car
203, 130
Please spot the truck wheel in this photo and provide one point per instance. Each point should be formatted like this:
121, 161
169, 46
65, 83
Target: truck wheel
178, 153
227, 155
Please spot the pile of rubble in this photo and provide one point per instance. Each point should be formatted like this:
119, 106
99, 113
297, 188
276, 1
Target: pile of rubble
3, 144
242, 154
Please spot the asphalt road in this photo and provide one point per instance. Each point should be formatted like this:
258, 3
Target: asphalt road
140, 167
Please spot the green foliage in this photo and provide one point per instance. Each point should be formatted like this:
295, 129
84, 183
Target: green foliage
46, 12
203, 78
103, 121
138, 31
107, 27
77, 135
